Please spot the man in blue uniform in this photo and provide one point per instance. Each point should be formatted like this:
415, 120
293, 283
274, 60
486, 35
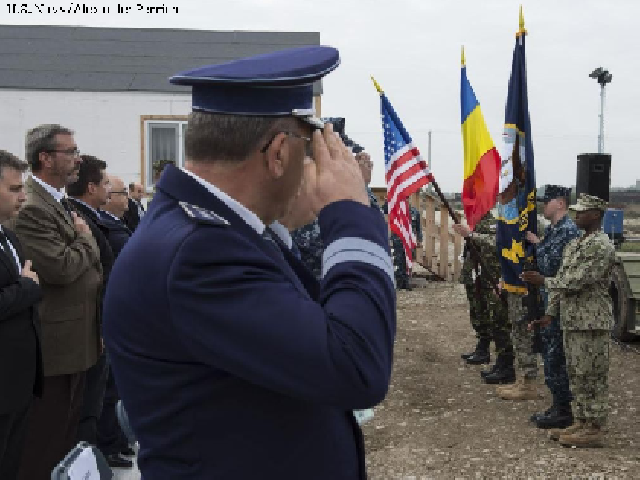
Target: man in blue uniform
549, 252
230, 358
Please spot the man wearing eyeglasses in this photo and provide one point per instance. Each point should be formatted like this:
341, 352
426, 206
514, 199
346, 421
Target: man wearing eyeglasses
111, 440
67, 259
229, 363
135, 209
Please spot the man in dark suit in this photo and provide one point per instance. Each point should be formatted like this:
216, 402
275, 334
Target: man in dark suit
87, 195
117, 232
20, 355
231, 359
111, 440
67, 259
135, 210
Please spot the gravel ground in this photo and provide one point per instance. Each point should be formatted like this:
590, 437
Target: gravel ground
440, 421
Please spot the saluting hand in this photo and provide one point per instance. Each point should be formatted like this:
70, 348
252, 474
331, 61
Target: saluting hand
28, 273
336, 175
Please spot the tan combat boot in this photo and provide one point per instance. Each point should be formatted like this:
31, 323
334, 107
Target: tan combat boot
500, 389
555, 433
525, 390
589, 436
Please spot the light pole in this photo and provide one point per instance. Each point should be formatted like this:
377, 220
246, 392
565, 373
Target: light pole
603, 77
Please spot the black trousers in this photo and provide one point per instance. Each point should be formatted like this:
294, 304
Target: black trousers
13, 430
111, 439
53, 425
95, 385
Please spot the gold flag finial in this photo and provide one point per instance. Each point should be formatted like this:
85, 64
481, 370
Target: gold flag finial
463, 61
521, 30
376, 84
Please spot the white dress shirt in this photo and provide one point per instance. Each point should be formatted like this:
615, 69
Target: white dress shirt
87, 205
111, 215
13, 252
283, 233
247, 215
55, 193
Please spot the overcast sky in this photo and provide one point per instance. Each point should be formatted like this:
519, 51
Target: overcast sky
412, 47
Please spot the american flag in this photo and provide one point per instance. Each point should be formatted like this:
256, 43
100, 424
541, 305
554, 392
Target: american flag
406, 173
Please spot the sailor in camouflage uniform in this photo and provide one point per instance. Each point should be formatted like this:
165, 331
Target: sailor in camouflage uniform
397, 247
487, 310
308, 238
549, 257
309, 243
579, 295
399, 260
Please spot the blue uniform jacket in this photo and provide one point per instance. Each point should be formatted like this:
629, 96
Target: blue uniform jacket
231, 363
549, 250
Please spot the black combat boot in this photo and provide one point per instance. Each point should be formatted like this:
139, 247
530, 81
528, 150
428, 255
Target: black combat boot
481, 354
482, 345
560, 417
504, 372
538, 415
493, 368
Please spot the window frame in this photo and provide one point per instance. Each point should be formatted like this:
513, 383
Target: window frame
146, 125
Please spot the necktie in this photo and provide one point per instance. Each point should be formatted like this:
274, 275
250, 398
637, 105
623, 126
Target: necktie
67, 206
296, 251
5, 246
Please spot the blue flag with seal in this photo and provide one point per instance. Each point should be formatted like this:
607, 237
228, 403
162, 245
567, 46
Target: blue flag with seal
517, 200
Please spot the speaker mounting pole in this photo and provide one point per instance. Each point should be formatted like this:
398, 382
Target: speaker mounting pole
602, 76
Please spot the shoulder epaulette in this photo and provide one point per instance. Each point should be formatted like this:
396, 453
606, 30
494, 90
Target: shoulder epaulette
203, 215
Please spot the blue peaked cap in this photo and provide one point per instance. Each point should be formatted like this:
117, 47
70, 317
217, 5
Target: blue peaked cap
273, 84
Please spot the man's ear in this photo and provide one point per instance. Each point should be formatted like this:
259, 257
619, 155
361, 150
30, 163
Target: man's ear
45, 159
277, 156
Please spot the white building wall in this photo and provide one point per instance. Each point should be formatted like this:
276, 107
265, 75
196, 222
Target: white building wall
106, 124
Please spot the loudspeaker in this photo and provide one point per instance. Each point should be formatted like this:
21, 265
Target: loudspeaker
594, 175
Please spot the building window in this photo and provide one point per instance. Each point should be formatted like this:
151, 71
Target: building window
164, 144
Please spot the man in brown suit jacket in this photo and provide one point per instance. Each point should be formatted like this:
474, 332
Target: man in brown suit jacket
66, 257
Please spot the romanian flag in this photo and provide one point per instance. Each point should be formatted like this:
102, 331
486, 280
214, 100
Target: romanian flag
481, 159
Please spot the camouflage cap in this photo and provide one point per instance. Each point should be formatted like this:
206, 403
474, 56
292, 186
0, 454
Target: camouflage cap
589, 202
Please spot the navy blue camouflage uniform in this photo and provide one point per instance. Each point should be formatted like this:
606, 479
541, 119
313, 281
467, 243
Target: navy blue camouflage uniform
549, 258
399, 260
309, 241
417, 228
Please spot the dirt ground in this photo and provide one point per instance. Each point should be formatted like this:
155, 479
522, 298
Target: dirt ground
439, 421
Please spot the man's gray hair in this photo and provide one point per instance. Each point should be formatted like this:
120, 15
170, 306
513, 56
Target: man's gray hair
42, 139
222, 137
9, 160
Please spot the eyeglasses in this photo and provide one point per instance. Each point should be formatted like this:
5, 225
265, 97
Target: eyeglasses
119, 192
73, 152
307, 150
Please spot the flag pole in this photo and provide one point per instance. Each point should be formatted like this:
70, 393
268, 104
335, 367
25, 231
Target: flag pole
454, 216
